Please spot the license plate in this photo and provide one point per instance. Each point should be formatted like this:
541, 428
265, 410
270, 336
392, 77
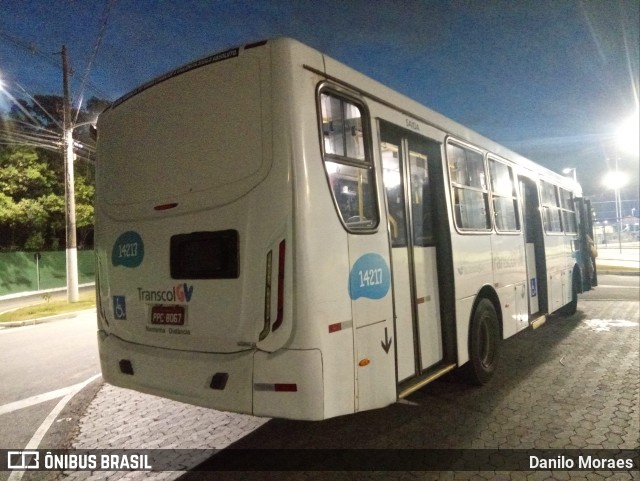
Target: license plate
168, 315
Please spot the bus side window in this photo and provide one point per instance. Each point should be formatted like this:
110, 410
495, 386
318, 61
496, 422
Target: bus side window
392, 177
347, 164
550, 207
469, 188
503, 193
568, 212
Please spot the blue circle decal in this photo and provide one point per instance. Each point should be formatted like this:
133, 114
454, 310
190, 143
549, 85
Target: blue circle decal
369, 277
128, 251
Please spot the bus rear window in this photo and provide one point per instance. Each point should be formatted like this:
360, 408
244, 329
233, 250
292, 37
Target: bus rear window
205, 255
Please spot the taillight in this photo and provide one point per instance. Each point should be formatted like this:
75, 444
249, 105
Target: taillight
280, 311
267, 299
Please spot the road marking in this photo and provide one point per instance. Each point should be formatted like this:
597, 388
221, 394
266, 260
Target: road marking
40, 398
35, 440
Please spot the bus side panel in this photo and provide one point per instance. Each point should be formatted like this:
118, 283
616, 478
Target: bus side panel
463, 314
339, 376
555, 256
299, 373
509, 272
376, 365
372, 319
472, 261
322, 310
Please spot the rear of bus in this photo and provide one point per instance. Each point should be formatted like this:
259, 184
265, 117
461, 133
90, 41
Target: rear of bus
194, 237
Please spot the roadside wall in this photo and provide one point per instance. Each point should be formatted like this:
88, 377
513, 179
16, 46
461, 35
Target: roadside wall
19, 270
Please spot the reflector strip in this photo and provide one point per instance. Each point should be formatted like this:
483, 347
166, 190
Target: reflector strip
280, 311
339, 326
335, 327
278, 387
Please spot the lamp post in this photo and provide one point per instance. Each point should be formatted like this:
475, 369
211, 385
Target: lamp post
73, 293
616, 180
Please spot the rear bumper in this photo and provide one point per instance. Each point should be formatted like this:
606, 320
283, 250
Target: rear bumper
180, 375
251, 377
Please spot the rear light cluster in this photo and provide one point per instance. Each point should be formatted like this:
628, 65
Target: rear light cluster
267, 292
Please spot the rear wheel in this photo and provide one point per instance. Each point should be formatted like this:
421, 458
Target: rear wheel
484, 344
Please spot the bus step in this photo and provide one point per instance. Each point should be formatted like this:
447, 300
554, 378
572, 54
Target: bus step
536, 323
424, 381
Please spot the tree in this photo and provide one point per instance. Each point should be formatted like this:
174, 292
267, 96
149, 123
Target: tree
32, 213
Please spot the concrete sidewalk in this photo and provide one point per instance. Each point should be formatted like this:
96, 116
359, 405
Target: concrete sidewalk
613, 260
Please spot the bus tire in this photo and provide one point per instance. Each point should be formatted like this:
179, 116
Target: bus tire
484, 344
571, 308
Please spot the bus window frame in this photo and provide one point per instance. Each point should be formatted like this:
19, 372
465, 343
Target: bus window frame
544, 206
566, 211
487, 190
368, 163
514, 191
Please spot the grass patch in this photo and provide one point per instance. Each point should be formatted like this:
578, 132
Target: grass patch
45, 309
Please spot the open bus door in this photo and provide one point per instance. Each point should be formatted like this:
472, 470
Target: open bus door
586, 242
534, 248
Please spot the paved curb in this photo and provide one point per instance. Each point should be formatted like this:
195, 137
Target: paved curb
42, 320
619, 271
19, 295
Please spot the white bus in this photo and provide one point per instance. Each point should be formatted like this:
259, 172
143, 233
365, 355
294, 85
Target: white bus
280, 235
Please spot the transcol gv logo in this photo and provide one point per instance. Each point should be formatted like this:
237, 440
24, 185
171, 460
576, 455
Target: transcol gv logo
178, 293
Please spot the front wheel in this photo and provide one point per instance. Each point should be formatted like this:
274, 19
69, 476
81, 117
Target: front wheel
484, 344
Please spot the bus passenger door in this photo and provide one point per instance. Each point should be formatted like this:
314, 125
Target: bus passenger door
534, 248
405, 162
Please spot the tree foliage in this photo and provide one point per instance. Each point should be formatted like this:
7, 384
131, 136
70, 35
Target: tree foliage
32, 207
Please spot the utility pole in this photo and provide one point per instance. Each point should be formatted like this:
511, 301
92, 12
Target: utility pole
73, 294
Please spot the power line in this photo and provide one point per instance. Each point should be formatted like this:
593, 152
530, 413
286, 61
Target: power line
29, 47
103, 27
32, 48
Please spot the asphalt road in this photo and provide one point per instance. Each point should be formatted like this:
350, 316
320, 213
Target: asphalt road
38, 366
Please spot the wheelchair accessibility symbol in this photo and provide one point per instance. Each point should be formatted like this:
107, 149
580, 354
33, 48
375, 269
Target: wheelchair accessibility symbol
119, 308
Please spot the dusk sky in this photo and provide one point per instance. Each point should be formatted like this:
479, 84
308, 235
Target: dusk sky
552, 80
